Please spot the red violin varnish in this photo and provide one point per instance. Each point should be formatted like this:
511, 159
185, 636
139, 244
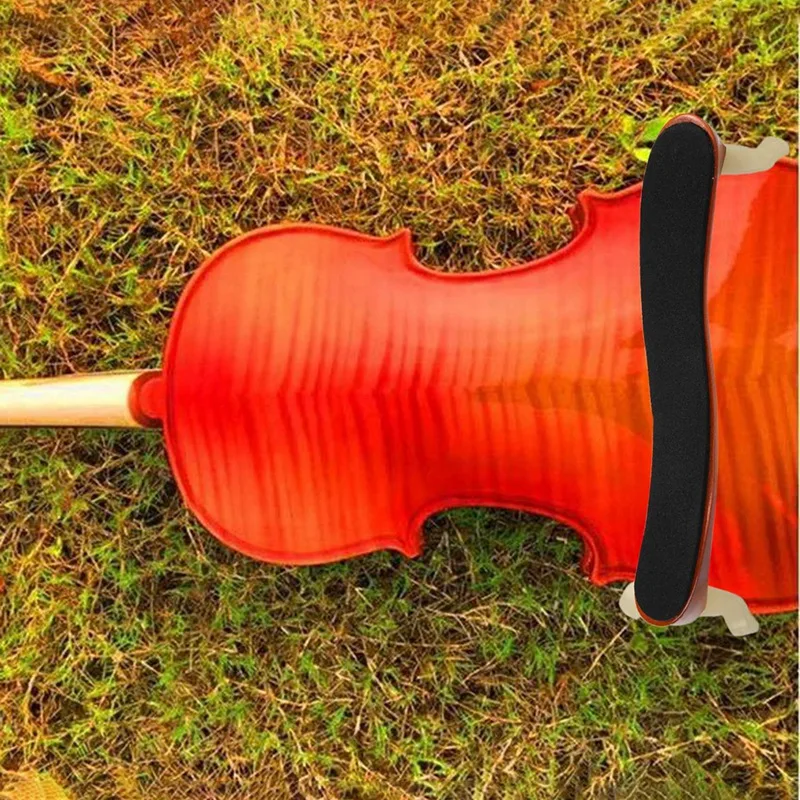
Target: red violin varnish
323, 393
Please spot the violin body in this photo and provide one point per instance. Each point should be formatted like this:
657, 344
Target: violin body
323, 393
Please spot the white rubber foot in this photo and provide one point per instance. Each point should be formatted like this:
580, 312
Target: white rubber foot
741, 160
720, 603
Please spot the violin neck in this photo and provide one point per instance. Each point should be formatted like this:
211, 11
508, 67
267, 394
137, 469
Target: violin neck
101, 400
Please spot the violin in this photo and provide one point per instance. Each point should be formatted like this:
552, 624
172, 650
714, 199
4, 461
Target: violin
323, 392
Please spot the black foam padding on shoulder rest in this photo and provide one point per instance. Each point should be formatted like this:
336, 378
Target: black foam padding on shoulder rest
676, 205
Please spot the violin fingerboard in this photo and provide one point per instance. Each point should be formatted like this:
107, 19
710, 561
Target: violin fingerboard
675, 224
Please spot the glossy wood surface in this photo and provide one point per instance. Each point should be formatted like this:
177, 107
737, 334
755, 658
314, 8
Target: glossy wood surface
324, 393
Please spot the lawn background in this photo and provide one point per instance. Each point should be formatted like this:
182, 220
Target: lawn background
140, 659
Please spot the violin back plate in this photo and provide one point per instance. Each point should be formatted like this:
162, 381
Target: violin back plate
324, 393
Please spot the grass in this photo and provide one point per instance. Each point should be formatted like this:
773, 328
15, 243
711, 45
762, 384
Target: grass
138, 658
